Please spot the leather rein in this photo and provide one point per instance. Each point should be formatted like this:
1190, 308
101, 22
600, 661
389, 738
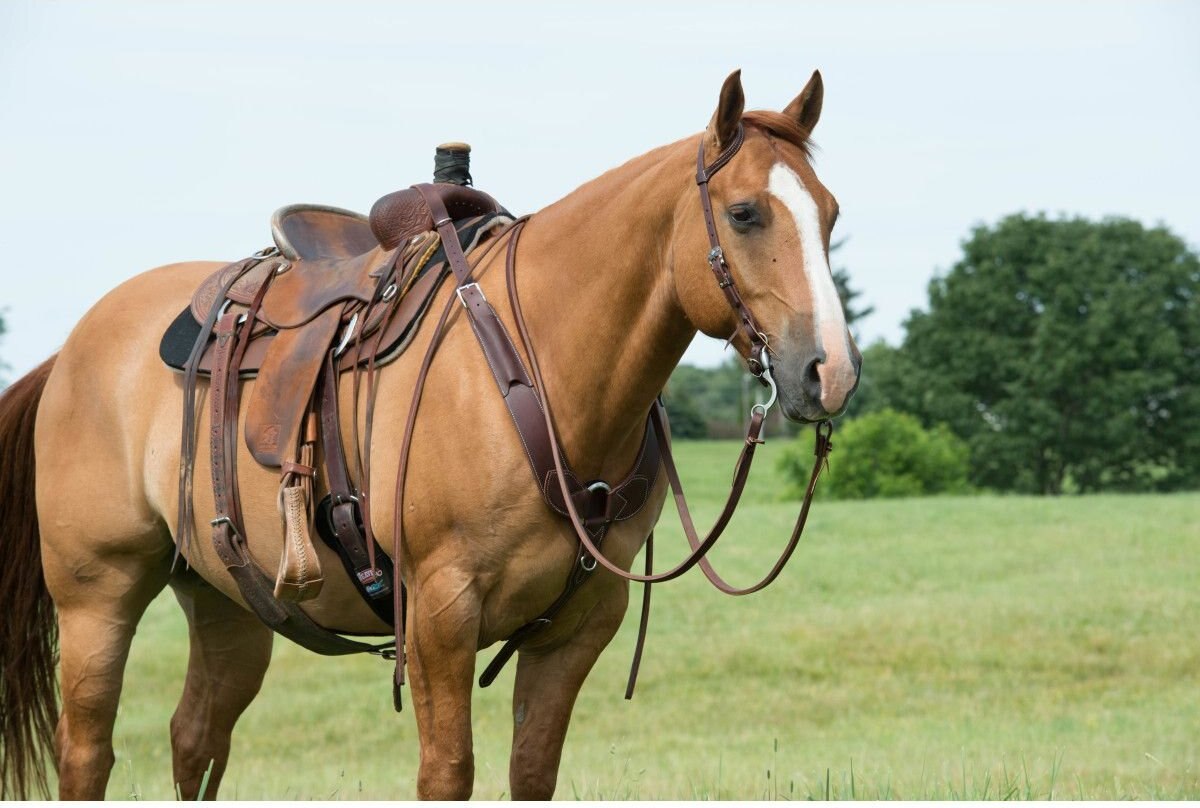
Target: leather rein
593, 507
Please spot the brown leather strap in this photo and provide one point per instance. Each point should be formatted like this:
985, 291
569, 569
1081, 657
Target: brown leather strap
755, 337
372, 580
186, 517
643, 623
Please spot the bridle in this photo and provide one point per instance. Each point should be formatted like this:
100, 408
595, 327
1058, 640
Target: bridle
525, 396
758, 361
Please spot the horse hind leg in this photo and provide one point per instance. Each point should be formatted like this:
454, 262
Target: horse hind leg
100, 601
230, 652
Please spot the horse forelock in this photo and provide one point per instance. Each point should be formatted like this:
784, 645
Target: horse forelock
782, 127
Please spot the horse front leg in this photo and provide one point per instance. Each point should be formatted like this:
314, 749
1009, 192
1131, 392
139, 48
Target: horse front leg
443, 636
547, 683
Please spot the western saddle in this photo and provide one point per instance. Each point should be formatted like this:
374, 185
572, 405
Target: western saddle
338, 293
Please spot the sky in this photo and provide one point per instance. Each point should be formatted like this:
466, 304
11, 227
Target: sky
138, 134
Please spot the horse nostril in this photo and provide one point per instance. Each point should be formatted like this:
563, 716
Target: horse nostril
810, 379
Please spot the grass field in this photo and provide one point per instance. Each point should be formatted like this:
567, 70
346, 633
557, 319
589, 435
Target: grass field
982, 647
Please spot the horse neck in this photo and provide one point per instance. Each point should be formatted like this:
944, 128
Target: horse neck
595, 283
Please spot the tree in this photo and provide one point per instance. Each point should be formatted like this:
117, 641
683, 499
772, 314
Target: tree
686, 420
879, 380
1066, 353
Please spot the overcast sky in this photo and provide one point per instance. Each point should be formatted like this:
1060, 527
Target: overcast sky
138, 134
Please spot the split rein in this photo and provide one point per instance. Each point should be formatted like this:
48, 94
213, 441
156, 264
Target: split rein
491, 332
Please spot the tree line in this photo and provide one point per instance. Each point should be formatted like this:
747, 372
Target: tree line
1056, 355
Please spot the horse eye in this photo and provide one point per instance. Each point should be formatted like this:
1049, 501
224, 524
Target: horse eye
743, 216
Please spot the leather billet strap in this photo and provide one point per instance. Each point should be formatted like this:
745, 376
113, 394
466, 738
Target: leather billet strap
746, 324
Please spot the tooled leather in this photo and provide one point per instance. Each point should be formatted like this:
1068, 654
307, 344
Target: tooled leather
398, 216
402, 214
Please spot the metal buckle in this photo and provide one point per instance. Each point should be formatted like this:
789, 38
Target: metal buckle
388, 293
266, 252
460, 289
716, 254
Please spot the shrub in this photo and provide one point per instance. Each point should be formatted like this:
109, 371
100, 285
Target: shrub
883, 454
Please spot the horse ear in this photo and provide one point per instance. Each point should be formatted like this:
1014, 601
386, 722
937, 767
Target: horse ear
806, 108
725, 120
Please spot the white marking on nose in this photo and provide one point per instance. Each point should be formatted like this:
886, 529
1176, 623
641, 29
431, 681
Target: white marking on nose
829, 320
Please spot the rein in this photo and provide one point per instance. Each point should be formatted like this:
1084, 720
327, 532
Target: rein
592, 508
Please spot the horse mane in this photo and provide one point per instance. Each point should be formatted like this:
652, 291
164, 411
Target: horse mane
781, 126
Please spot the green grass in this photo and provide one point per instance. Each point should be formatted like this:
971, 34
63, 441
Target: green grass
987, 647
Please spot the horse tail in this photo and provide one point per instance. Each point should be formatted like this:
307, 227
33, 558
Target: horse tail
28, 629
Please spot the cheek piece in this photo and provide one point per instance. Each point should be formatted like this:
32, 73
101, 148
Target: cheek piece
758, 357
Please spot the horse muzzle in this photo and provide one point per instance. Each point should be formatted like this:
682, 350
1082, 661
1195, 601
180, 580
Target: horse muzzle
812, 388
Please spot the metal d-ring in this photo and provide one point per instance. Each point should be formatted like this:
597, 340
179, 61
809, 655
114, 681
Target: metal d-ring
282, 267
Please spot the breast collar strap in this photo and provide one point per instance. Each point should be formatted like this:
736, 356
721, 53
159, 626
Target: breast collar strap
757, 359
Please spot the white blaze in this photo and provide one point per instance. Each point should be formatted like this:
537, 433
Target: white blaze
829, 320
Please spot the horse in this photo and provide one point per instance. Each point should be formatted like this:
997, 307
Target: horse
614, 284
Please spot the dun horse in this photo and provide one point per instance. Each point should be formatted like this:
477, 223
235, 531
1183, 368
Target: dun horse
613, 281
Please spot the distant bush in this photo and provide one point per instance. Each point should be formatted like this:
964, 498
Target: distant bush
883, 454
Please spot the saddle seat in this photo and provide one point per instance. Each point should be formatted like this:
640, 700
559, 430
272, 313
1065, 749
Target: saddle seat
309, 232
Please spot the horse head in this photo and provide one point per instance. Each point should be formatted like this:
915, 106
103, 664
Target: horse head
773, 219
